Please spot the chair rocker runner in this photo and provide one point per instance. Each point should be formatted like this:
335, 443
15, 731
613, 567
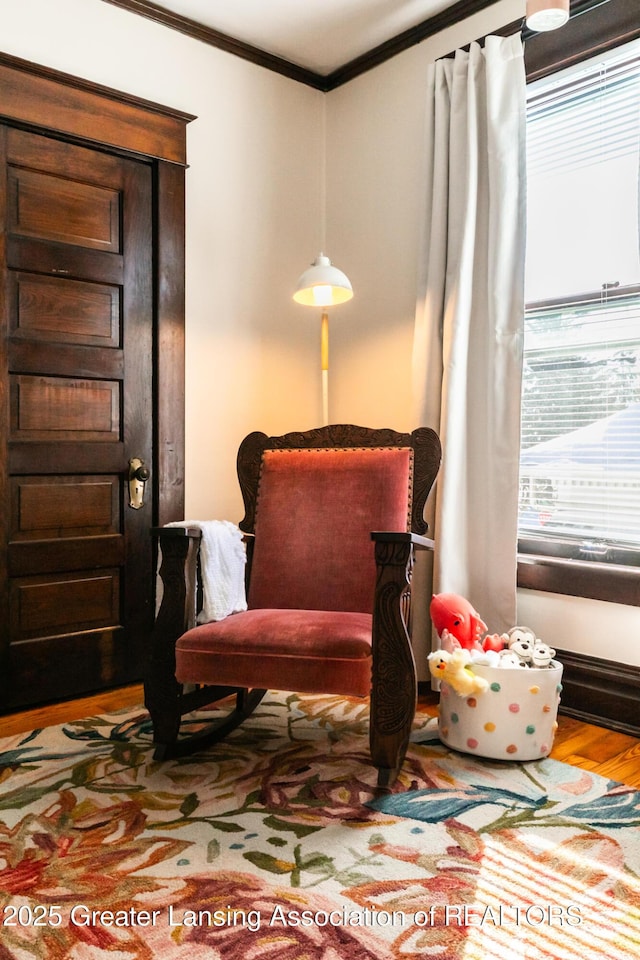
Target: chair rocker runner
327, 610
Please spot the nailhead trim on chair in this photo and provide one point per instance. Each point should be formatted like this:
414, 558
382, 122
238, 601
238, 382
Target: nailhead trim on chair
342, 450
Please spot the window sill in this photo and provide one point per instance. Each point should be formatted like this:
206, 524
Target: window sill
580, 578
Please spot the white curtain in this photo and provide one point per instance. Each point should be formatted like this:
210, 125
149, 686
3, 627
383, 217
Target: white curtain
467, 362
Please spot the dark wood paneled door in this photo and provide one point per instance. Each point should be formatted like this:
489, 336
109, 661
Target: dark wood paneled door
77, 363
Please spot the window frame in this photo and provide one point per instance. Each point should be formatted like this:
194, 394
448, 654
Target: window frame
594, 28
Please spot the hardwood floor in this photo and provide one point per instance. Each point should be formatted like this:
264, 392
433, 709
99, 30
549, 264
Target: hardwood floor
49, 715
610, 754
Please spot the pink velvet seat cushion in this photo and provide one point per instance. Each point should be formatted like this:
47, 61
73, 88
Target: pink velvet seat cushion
316, 511
310, 651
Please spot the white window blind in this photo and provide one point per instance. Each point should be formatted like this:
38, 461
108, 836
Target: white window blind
580, 450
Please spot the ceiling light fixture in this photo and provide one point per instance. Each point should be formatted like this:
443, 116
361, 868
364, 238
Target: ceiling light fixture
545, 15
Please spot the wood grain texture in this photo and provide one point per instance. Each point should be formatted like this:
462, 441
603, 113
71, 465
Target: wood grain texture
64, 324
76, 414
49, 99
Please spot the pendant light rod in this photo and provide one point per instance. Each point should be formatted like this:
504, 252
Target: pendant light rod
324, 365
323, 285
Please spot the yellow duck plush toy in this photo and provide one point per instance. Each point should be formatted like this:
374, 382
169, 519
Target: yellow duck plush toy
455, 669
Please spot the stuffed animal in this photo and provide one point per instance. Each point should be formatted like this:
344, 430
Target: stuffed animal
456, 621
485, 658
455, 669
521, 641
509, 658
542, 654
495, 641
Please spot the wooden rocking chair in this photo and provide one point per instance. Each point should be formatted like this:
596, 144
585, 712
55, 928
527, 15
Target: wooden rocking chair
327, 610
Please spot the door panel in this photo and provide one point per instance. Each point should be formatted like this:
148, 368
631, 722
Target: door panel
77, 372
68, 553
68, 602
55, 192
54, 507
53, 310
53, 208
50, 408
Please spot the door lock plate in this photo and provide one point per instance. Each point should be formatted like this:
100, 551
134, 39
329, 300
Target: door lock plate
138, 475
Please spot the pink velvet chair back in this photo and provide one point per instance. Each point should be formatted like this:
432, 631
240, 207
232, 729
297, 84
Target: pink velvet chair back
315, 512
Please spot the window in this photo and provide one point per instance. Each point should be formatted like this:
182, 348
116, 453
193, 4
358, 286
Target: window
580, 453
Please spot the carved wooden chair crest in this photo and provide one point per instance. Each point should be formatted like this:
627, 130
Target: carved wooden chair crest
327, 610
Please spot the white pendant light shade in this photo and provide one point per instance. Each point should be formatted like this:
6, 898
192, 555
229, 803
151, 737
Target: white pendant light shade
322, 285
547, 14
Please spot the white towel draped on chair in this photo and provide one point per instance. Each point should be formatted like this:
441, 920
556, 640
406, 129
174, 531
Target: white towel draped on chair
222, 563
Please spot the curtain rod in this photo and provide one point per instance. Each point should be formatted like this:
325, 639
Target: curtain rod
578, 8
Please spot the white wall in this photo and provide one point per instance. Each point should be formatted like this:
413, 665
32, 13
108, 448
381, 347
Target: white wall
375, 143
253, 209
607, 630
253, 223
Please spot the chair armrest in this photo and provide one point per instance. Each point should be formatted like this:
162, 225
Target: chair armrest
167, 533
178, 572
424, 543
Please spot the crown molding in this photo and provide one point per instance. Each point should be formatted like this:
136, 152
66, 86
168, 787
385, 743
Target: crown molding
606, 17
222, 41
324, 82
403, 41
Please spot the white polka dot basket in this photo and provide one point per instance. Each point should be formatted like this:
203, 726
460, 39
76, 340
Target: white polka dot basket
515, 718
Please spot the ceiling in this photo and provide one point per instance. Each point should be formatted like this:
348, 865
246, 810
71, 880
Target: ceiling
318, 35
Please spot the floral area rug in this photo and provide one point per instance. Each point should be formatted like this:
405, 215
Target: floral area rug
275, 845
